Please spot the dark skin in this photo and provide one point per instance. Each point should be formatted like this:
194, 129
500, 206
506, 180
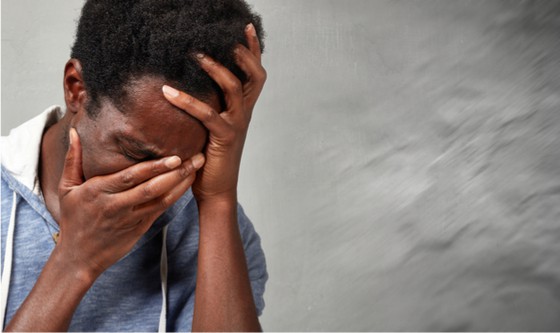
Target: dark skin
128, 194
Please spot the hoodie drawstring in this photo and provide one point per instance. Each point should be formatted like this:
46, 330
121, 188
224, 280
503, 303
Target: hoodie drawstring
163, 274
8, 257
7, 270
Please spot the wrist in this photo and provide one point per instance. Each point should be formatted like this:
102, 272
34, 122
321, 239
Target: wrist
217, 211
82, 275
222, 200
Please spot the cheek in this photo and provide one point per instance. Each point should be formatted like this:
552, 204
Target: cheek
98, 158
102, 163
94, 162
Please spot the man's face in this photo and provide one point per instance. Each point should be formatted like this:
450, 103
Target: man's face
150, 128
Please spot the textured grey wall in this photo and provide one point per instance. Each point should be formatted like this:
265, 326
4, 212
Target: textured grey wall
403, 166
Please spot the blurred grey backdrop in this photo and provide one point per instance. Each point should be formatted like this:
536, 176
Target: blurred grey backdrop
403, 165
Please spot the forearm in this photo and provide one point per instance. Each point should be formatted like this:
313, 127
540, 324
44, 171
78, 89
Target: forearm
53, 300
224, 299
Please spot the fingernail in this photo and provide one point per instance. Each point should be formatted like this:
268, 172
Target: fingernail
200, 55
251, 28
171, 92
72, 135
198, 161
172, 162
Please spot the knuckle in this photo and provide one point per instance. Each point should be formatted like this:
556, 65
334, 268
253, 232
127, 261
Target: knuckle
109, 210
156, 167
209, 115
211, 67
186, 99
190, 168
234, 86
185, 170
263, 74
259, 76
149, 190
127, 177
89, 191
92, 191
165, 202
237, 89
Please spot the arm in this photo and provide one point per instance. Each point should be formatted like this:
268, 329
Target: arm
224, 299
101, 220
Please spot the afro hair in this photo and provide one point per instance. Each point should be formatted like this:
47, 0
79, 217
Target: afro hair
117, 41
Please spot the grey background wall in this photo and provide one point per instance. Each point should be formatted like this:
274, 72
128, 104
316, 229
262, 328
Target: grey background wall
403, 166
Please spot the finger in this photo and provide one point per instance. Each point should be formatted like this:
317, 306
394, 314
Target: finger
253, 41
256, 74
158, 185
154, 208
137, 174
201, 111
72, 174
229, 83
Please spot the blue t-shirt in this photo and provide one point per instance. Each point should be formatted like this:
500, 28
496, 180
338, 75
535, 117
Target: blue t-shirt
128, 296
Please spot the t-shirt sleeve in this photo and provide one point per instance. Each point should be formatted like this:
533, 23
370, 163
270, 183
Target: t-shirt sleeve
256, 263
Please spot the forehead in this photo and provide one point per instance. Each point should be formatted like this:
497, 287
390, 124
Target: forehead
146, 120
146, 91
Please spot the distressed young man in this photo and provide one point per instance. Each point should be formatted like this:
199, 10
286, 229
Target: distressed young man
100, 228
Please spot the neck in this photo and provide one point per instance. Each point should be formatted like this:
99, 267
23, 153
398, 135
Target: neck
53, 152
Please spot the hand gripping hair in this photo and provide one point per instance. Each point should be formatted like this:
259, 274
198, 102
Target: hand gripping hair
118, 41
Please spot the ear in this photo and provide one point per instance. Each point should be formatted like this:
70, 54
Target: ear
74, 89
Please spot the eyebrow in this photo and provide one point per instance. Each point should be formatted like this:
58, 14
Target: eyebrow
140, 147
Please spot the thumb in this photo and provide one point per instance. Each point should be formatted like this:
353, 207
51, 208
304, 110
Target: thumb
72, 175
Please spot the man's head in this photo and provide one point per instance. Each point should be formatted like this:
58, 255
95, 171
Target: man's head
124, 52
117, 41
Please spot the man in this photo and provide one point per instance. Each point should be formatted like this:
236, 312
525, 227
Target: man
100, 231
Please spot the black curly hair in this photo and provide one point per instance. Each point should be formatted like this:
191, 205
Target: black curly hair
117, 41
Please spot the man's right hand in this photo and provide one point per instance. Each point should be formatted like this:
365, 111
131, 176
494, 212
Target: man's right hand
100, 221
103, 217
